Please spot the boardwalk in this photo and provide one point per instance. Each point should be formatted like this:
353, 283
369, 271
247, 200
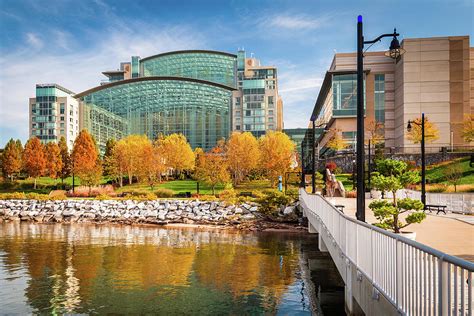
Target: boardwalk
448, 233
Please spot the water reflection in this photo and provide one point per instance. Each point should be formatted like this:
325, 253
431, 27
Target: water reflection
84, 268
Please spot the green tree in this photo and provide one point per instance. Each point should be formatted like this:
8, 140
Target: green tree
453, 174
393, 175
11, 159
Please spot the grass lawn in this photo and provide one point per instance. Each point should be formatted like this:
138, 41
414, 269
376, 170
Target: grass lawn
346, 180
178, 186
436, 173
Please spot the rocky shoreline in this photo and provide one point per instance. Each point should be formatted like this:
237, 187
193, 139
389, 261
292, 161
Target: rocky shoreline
158, 212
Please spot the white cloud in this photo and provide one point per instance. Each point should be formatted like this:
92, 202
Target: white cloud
294, 22
77, 69
33, 40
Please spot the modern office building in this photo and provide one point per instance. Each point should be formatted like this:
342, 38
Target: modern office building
54, 113
257, 106
434, 76
192, 92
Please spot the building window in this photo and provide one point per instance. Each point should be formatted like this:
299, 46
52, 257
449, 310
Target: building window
379, 94
237, 127
345, 95
62, 125
62, 118
270, 119
270, 112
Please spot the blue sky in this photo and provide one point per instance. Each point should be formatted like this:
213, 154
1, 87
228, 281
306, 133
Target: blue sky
70, 42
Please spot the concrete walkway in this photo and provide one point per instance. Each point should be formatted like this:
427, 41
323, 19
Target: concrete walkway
451, 233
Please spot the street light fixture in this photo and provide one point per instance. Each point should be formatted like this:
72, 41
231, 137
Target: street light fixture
423, 162
395, 51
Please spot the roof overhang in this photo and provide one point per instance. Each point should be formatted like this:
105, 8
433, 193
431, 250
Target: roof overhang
189, 52
152, 78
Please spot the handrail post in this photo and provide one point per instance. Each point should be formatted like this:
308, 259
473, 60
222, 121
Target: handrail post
399, 272
443, 286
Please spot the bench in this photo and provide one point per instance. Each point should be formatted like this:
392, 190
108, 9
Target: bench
437, 208
340, 207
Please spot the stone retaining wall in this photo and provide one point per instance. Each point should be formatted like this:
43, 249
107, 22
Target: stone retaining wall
127, 211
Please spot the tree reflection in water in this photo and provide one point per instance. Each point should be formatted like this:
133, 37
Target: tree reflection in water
84, 268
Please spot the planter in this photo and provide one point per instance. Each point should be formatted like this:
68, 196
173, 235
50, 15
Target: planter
375, 194
409, 235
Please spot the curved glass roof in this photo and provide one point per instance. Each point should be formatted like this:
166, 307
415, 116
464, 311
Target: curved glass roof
211, 66
152, 105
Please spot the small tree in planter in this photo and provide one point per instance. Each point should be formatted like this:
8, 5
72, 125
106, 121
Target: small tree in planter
393, 175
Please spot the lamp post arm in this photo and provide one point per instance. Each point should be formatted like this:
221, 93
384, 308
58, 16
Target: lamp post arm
382, 36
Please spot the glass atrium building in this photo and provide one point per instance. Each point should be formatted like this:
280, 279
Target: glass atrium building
186, 92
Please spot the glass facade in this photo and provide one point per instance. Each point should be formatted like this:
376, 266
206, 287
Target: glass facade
210, 66
379, 94
344, 89
154, 106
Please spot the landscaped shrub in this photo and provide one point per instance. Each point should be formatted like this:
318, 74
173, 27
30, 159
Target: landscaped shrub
37, 196
229, 196
83, 191
57, 195
331, 165
102, 197
351, 194
207, 198
272, 200
13, 196
437, 188
164, 193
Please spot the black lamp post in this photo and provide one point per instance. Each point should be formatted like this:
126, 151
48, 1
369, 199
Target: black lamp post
423, 162
394, 52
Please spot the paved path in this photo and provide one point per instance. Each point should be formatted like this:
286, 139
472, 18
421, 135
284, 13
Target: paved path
452, 233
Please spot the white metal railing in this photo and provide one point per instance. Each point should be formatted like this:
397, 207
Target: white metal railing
454, 202
415, 278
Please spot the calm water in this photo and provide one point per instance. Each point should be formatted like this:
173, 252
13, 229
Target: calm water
97, 269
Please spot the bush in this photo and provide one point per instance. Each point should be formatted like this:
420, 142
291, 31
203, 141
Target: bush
437, 188
140, 196
37, 196
272, 200
102, 197
229, 196
58, 195
351, 194
164, 193
207, 198
13, 196
331, 166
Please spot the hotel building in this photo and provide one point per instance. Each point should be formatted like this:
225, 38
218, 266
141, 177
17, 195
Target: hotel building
435, 76
201, 94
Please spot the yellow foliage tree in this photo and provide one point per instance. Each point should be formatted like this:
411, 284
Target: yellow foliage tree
374, 132
176, 152
11, 159
468, 128
277, 154
336, 142
128, 157
431, 131
212, 167
54, 162
243, 154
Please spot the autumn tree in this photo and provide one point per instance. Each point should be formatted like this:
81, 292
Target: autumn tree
107, 158
277, 154
453, 174
336, 142
34, 160
374, 132
86, 161
118, 162
468, 128
212, 167
243, 155
431, 131
66, 167
11, 159
177, 152
151, 165
54, 163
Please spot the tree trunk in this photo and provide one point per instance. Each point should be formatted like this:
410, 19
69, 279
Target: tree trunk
213, 189
34, 186
455, 189
130, 178
121, 181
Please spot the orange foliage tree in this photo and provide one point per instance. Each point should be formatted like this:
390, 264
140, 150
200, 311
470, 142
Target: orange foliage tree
11, 159
468, 128
277, 154
34, 160
54, 162
243, 155
86, 161
374, 132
